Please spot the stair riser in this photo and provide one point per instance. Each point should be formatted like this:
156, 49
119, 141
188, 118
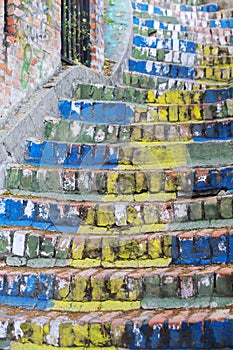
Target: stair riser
190, 48
157, 156
171, 23
63, 131
177, 57
154, 330
142, 96
208, 11
75, 217
174, 71
141, 184
204, 35
58, 288
36, 250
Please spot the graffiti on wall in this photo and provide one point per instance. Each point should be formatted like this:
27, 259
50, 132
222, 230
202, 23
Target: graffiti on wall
34, 33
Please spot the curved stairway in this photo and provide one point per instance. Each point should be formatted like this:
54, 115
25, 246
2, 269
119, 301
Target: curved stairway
116, 232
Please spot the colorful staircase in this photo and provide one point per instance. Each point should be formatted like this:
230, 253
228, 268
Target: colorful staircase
116, 232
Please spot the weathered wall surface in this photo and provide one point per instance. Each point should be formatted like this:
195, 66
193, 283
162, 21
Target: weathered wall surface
97, 34
30, 47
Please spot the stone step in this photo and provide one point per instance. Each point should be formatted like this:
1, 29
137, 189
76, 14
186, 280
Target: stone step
87, 111
119, 184
184, 21
175, 45
81, 132
175, 71
130, 156
208, 13
95, 289
178, 57
207, 328
163, 8
140, 96
207, 36
107, 218
144, 81
43, 249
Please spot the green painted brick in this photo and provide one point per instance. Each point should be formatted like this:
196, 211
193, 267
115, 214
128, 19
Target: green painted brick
13, 178
41, 263
15, 261
226, 208
205, 284
210, 209
109, 93
32, 247
152, 285
195, 211
97, 93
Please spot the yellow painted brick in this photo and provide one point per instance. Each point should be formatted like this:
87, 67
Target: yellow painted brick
98, 335
134, 215
66, 334
209, 73
151, 96
112, 182
207, 50
173, 113
155, 247
167, 244
90, 218
196, 113
197, 97
105, 215
32, 332
184, 113
163, 114
150, 214
80, 334
199, 48
84, 263
92, 306
161, 99
77, 248
158, 262
30, 346
168, 156
153, 114
155, 180
78, 288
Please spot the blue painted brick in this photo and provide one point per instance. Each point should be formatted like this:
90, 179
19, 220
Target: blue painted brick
202, 252
74, 158
219, 246
158, 11
230, 240
12, 283
211, 131
45, 286
195, 332
34, 151
65, 109
163, 26
223, 130
28, 285
175, 251
216, 334
14, 209
226, 175
186, 250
